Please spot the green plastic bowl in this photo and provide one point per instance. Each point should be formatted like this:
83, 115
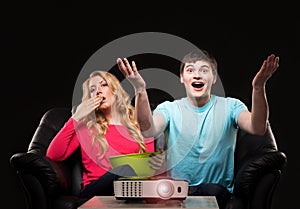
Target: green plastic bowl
138, 162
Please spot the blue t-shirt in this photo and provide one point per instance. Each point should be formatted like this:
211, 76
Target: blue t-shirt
201, 140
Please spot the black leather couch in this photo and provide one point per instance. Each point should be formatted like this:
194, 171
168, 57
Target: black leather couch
50, 185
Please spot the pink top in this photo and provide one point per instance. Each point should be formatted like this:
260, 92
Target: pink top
74, 134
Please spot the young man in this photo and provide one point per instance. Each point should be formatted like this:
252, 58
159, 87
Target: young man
201, 128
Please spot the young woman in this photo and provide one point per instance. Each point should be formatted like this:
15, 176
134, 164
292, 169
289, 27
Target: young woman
103, 125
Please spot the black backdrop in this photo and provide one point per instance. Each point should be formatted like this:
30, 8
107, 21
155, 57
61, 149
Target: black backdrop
43, 51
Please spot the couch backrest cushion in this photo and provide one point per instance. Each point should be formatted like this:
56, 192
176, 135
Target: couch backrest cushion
50, 124
249, 146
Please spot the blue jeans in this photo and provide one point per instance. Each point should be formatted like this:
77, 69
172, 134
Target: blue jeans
220, 192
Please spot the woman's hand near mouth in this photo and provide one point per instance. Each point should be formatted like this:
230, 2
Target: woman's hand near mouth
86, 107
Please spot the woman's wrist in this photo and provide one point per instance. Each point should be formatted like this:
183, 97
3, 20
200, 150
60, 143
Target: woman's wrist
75, 117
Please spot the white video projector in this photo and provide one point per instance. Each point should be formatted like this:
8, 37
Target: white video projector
164, 189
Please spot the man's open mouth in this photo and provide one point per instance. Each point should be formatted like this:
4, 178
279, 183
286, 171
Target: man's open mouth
197, 84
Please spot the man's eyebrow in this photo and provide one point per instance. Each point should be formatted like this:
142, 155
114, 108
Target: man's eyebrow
189, 65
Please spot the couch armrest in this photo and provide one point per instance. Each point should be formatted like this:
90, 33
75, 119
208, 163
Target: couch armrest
38, 166
250, 173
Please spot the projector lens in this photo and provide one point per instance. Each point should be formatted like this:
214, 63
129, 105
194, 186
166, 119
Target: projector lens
165, 189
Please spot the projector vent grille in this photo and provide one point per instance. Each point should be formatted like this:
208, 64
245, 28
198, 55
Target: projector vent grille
132, 189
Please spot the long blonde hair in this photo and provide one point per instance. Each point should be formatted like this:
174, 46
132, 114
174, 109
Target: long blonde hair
98, 126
